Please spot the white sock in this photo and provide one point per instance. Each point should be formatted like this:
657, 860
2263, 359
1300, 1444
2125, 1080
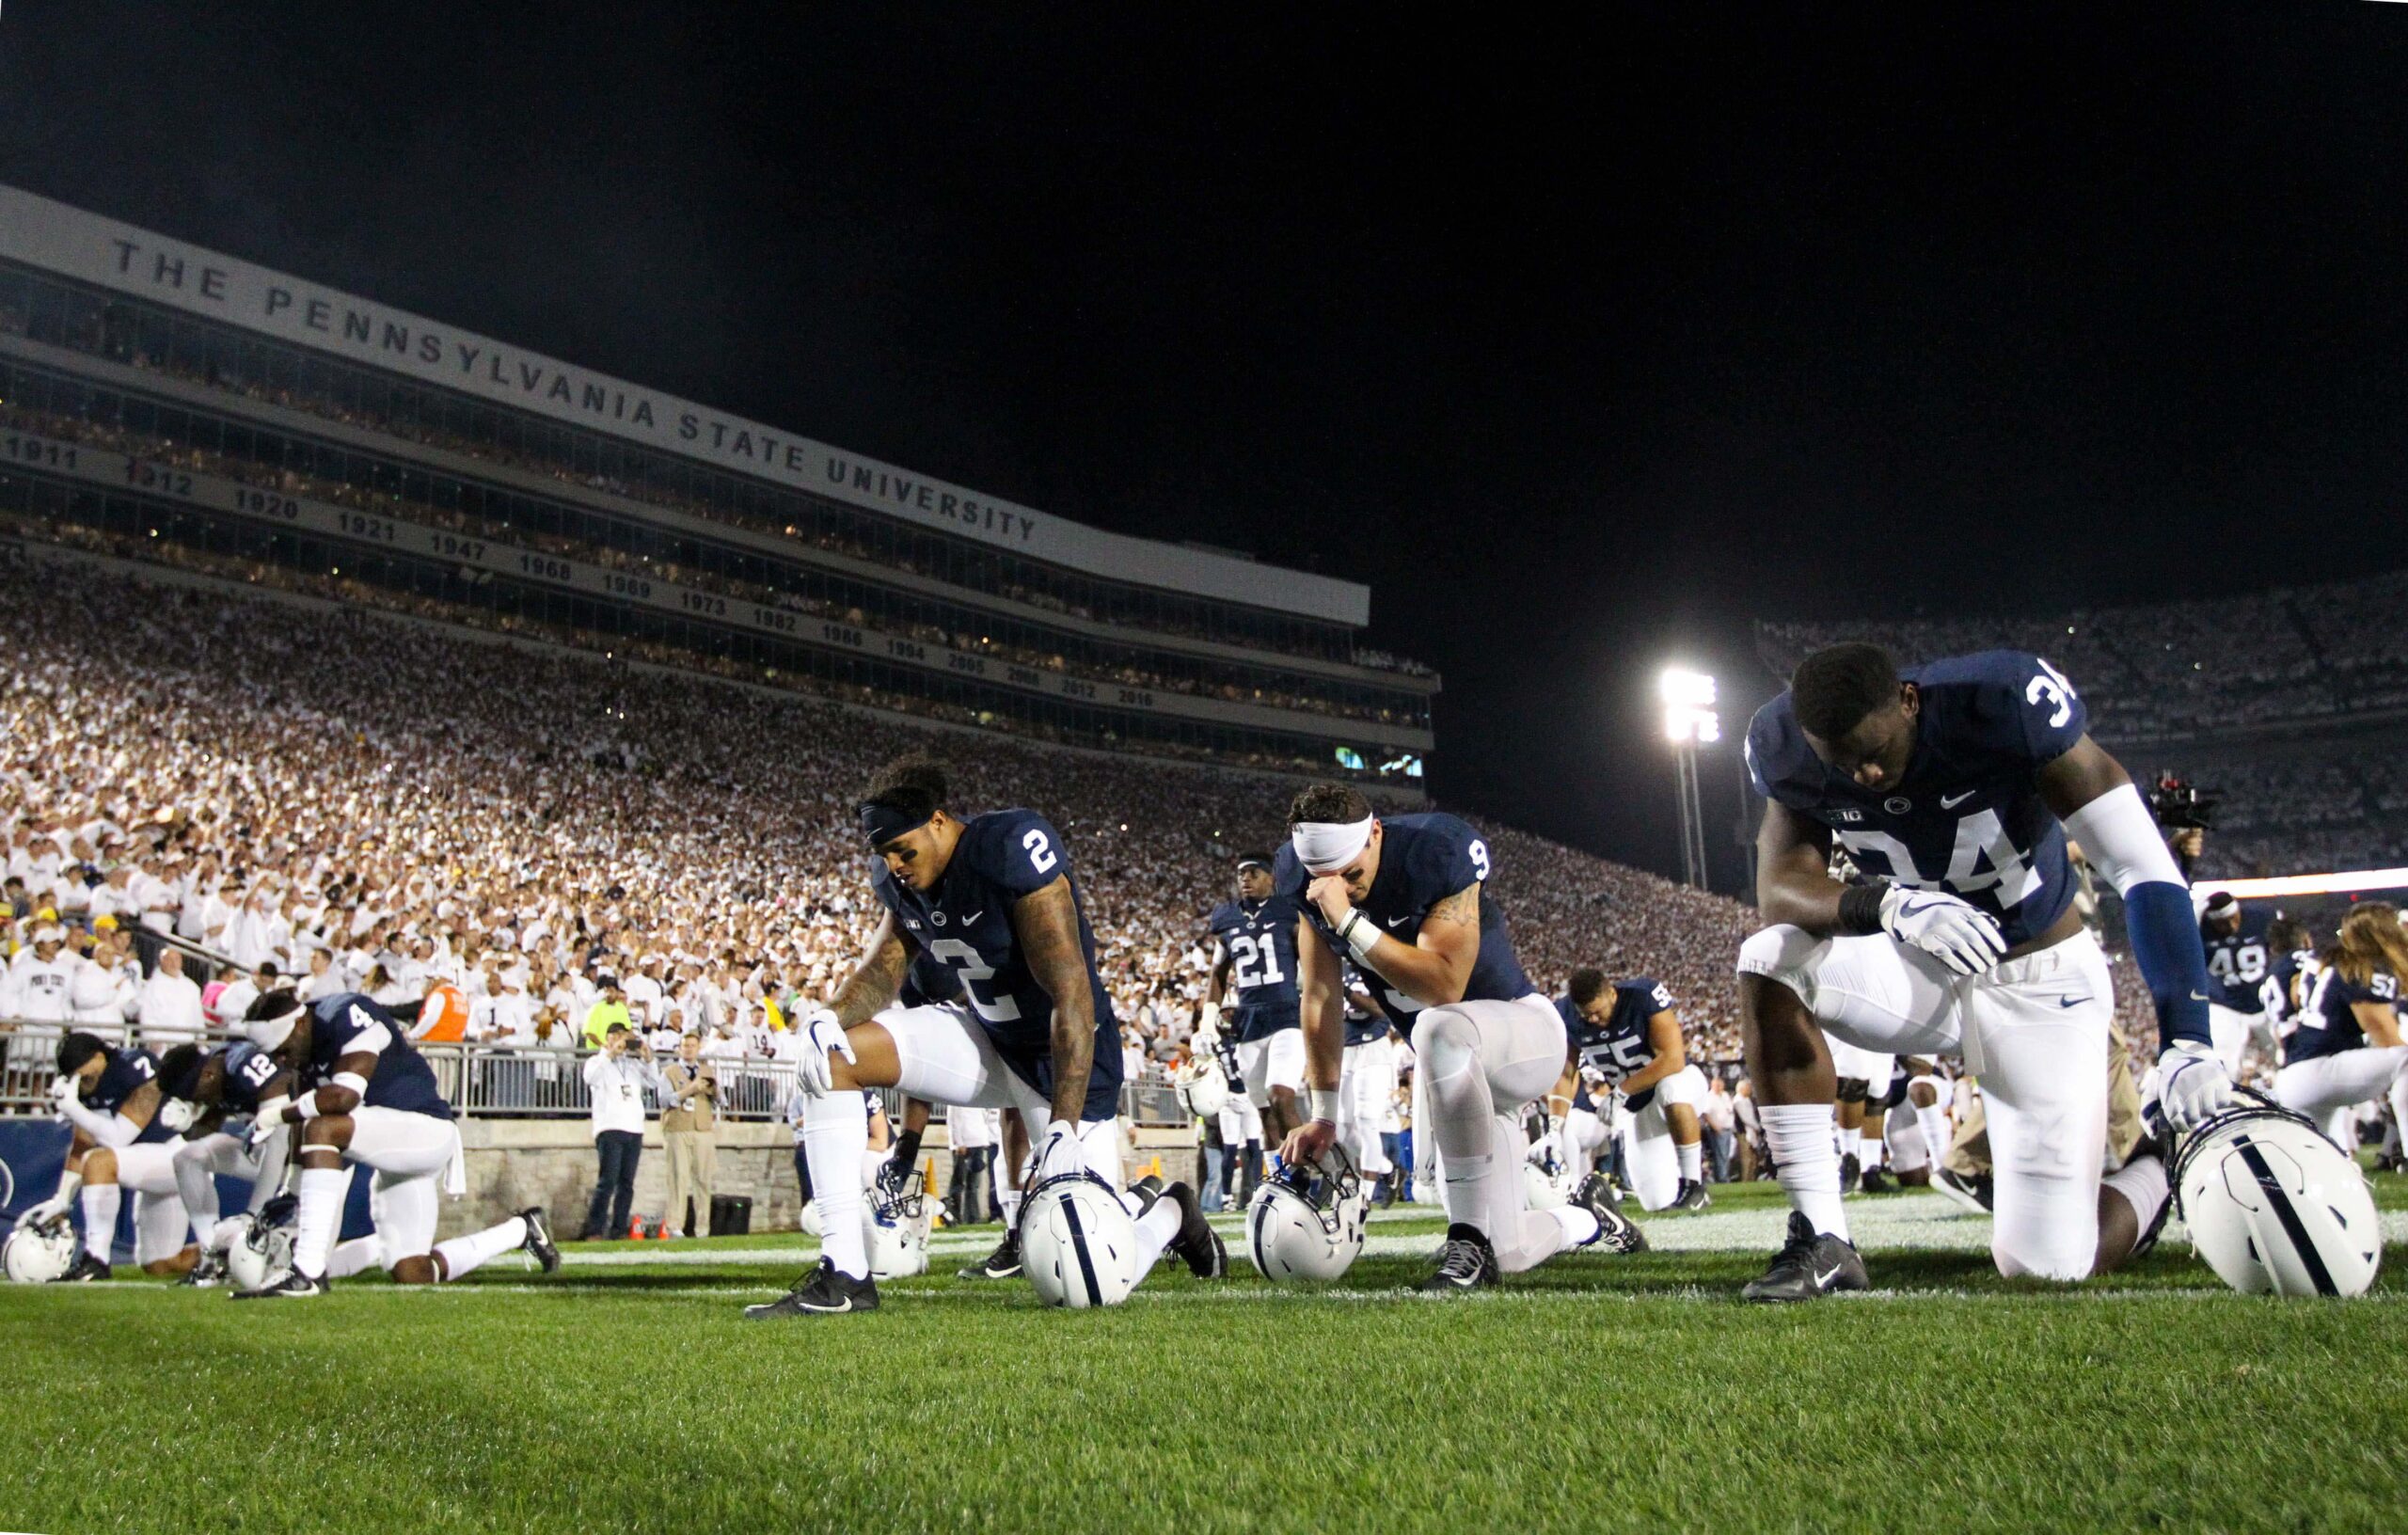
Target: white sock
197, 1187
318, 1219
100, 1218
1692, 1160
1009, 1202
1155, 1229
835, 1135
461, 1255
1579, 1227
1934, 1121
2143, 1184
1875, 1150
1800, 1137
358, 1256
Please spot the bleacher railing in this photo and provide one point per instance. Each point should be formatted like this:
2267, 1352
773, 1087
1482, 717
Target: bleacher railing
507, 1083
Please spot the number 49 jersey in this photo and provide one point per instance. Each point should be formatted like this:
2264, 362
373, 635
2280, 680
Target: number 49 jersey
966, 924
1967, 816
1259, 938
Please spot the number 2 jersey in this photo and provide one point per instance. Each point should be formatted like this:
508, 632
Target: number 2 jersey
352, 1023
1967, 816
1623, 1046
1423, 860
965, 923
1259, 938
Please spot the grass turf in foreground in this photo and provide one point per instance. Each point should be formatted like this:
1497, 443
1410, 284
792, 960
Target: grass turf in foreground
1596, 1393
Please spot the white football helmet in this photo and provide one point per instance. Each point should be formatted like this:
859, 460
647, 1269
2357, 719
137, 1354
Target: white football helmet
1207, 1090
39, 1255
894, 1227
1544, 1187
1077, 1244
1307, 1223
2271, 1205
261, 1255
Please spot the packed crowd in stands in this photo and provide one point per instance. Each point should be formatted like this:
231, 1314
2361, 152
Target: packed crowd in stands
109, 331
121, 440
2180, 670
367, 802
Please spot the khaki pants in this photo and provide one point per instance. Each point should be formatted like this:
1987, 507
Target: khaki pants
693, 1164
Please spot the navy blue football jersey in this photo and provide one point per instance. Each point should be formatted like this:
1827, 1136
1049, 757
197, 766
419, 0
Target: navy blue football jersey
249, 1071
1259, 938
1623, 1046
1364, 1026
1967, 816
349, 1022
966, 924
126, 1072
2330, 1023
2282, 993
928, 983
1423, 860
2238, 962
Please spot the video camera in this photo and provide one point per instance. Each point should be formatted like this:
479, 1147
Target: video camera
2180, 806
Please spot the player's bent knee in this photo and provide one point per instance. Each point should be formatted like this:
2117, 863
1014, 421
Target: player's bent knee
415, 1270
100, 1165
1777, 951
1449, 1043
328, 1130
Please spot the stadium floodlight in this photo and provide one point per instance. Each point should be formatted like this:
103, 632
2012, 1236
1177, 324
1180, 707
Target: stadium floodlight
1690, 721
1688, 706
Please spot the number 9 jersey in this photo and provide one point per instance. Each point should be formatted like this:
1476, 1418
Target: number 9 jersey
1967, 816
965, 923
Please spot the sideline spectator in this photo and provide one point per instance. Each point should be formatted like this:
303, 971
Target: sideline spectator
689, 1134
616, 1081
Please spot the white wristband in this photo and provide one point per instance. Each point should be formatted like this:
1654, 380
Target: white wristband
1360, 934
1321, 1103
305, 1108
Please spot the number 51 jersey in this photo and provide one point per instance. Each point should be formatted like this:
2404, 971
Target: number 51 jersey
965, 923
1967, 816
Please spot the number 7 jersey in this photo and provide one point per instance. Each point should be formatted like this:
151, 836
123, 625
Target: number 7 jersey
1967, 816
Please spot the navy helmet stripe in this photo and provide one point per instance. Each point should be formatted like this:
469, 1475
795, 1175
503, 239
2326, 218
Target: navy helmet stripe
1079, 1249
2294, 1226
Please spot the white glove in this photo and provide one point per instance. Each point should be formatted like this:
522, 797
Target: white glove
1057, 1154
1960, 935
819, 1035
50, 1210
63, 1091
270, 1120
2192, 1084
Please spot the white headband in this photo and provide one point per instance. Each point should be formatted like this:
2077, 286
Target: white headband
269, 1033
1326, 847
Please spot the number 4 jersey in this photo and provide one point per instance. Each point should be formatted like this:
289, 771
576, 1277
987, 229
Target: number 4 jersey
965, 923
1967, 816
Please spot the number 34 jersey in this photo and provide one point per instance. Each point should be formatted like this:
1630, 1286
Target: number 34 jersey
1259, 938
965, 923
1967, 816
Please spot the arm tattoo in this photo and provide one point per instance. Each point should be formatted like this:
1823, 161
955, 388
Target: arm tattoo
1462, 909
874, 983
1046, 922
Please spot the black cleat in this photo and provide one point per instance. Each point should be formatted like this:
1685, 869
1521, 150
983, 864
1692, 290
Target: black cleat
87, 1269
293, 1285
539, 1245
1616, 1231
1973, 1194
1850, 1167
1383, 1194
1876, 1181
208, 1274
825, 1291
1810, 1264
1197, 1244
1003, 1263
1466, 1262
1692, 1195
1148, 1188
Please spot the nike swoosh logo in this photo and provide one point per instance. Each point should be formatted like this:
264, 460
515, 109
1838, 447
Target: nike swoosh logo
834, 1310
1823, 1280
1913, 907
2198, 996
1949, 803
2071, 1001
1395, 922
974, 916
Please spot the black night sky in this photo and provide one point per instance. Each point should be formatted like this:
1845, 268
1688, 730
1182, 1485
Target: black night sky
1584, 348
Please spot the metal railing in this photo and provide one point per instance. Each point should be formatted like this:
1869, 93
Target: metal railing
489, 1081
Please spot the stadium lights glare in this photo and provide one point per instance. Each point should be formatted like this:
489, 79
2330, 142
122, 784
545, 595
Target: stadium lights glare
1688, 706
2308, 884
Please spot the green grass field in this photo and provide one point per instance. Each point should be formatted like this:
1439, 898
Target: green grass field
627, 1392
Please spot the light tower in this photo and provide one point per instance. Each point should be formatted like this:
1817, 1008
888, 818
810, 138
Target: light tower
1690, 721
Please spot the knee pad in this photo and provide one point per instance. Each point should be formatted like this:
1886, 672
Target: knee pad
1777, 951
1449, 1046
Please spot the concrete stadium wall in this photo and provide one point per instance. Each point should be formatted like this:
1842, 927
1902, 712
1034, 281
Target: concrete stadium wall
513, 1164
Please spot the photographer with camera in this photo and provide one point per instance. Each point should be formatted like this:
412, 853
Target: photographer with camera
615, 1079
